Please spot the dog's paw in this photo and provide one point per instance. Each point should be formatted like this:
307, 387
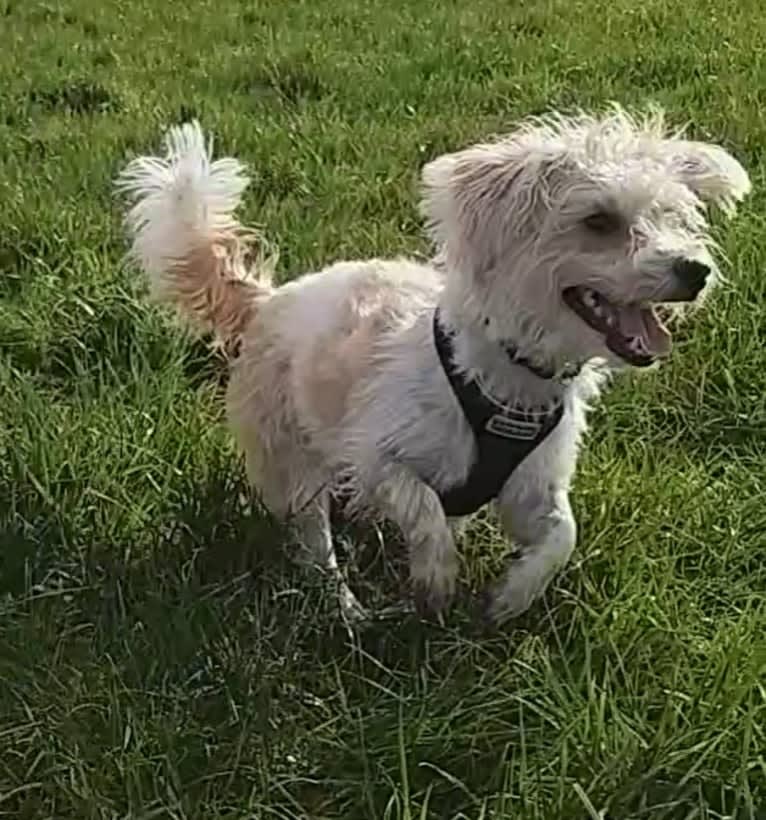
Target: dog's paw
500, 604
432, 602
433, 586
352, 612
522, 585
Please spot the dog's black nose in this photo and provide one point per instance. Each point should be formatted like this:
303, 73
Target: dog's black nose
691, 274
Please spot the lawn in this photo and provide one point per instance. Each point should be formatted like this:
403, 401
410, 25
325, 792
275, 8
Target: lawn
159, 655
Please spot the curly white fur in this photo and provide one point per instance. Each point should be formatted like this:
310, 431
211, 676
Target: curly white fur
337, 382
185, 234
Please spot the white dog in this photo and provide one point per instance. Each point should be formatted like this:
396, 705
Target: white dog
426, 391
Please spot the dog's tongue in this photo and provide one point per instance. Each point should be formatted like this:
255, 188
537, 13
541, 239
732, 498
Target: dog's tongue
644, 324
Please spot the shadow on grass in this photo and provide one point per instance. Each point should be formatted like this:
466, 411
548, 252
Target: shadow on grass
216, 561
205, 662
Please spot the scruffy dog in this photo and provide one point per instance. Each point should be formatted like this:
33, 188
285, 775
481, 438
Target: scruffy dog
424, 391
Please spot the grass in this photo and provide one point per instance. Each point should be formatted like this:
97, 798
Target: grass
159, 656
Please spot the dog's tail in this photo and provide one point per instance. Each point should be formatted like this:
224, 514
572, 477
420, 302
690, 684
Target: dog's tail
186, 237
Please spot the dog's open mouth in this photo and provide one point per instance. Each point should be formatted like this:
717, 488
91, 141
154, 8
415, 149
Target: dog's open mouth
634, 332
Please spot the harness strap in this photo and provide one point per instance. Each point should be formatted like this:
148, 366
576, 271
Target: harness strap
505, 436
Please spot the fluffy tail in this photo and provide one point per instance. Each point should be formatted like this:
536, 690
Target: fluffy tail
186, 237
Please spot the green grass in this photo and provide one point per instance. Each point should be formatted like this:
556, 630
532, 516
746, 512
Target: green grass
159, 656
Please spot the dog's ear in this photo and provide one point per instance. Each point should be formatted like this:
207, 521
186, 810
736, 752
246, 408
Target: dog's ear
711, 173
477, 201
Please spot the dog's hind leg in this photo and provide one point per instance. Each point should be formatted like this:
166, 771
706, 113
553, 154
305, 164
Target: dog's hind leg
311, 526
282, 470
309, 523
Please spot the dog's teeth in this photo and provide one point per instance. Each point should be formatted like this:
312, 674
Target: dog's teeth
636, 346
610, 320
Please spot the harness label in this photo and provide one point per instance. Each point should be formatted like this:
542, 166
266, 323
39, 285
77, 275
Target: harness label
510, 427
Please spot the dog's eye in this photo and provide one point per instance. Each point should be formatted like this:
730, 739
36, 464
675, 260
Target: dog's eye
602, 222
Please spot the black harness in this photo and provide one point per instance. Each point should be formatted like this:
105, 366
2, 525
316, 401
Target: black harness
505, 436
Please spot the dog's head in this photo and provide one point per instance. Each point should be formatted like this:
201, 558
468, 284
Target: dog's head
564, 236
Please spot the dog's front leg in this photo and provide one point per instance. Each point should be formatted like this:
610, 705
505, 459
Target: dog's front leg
418, 512
540, 522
